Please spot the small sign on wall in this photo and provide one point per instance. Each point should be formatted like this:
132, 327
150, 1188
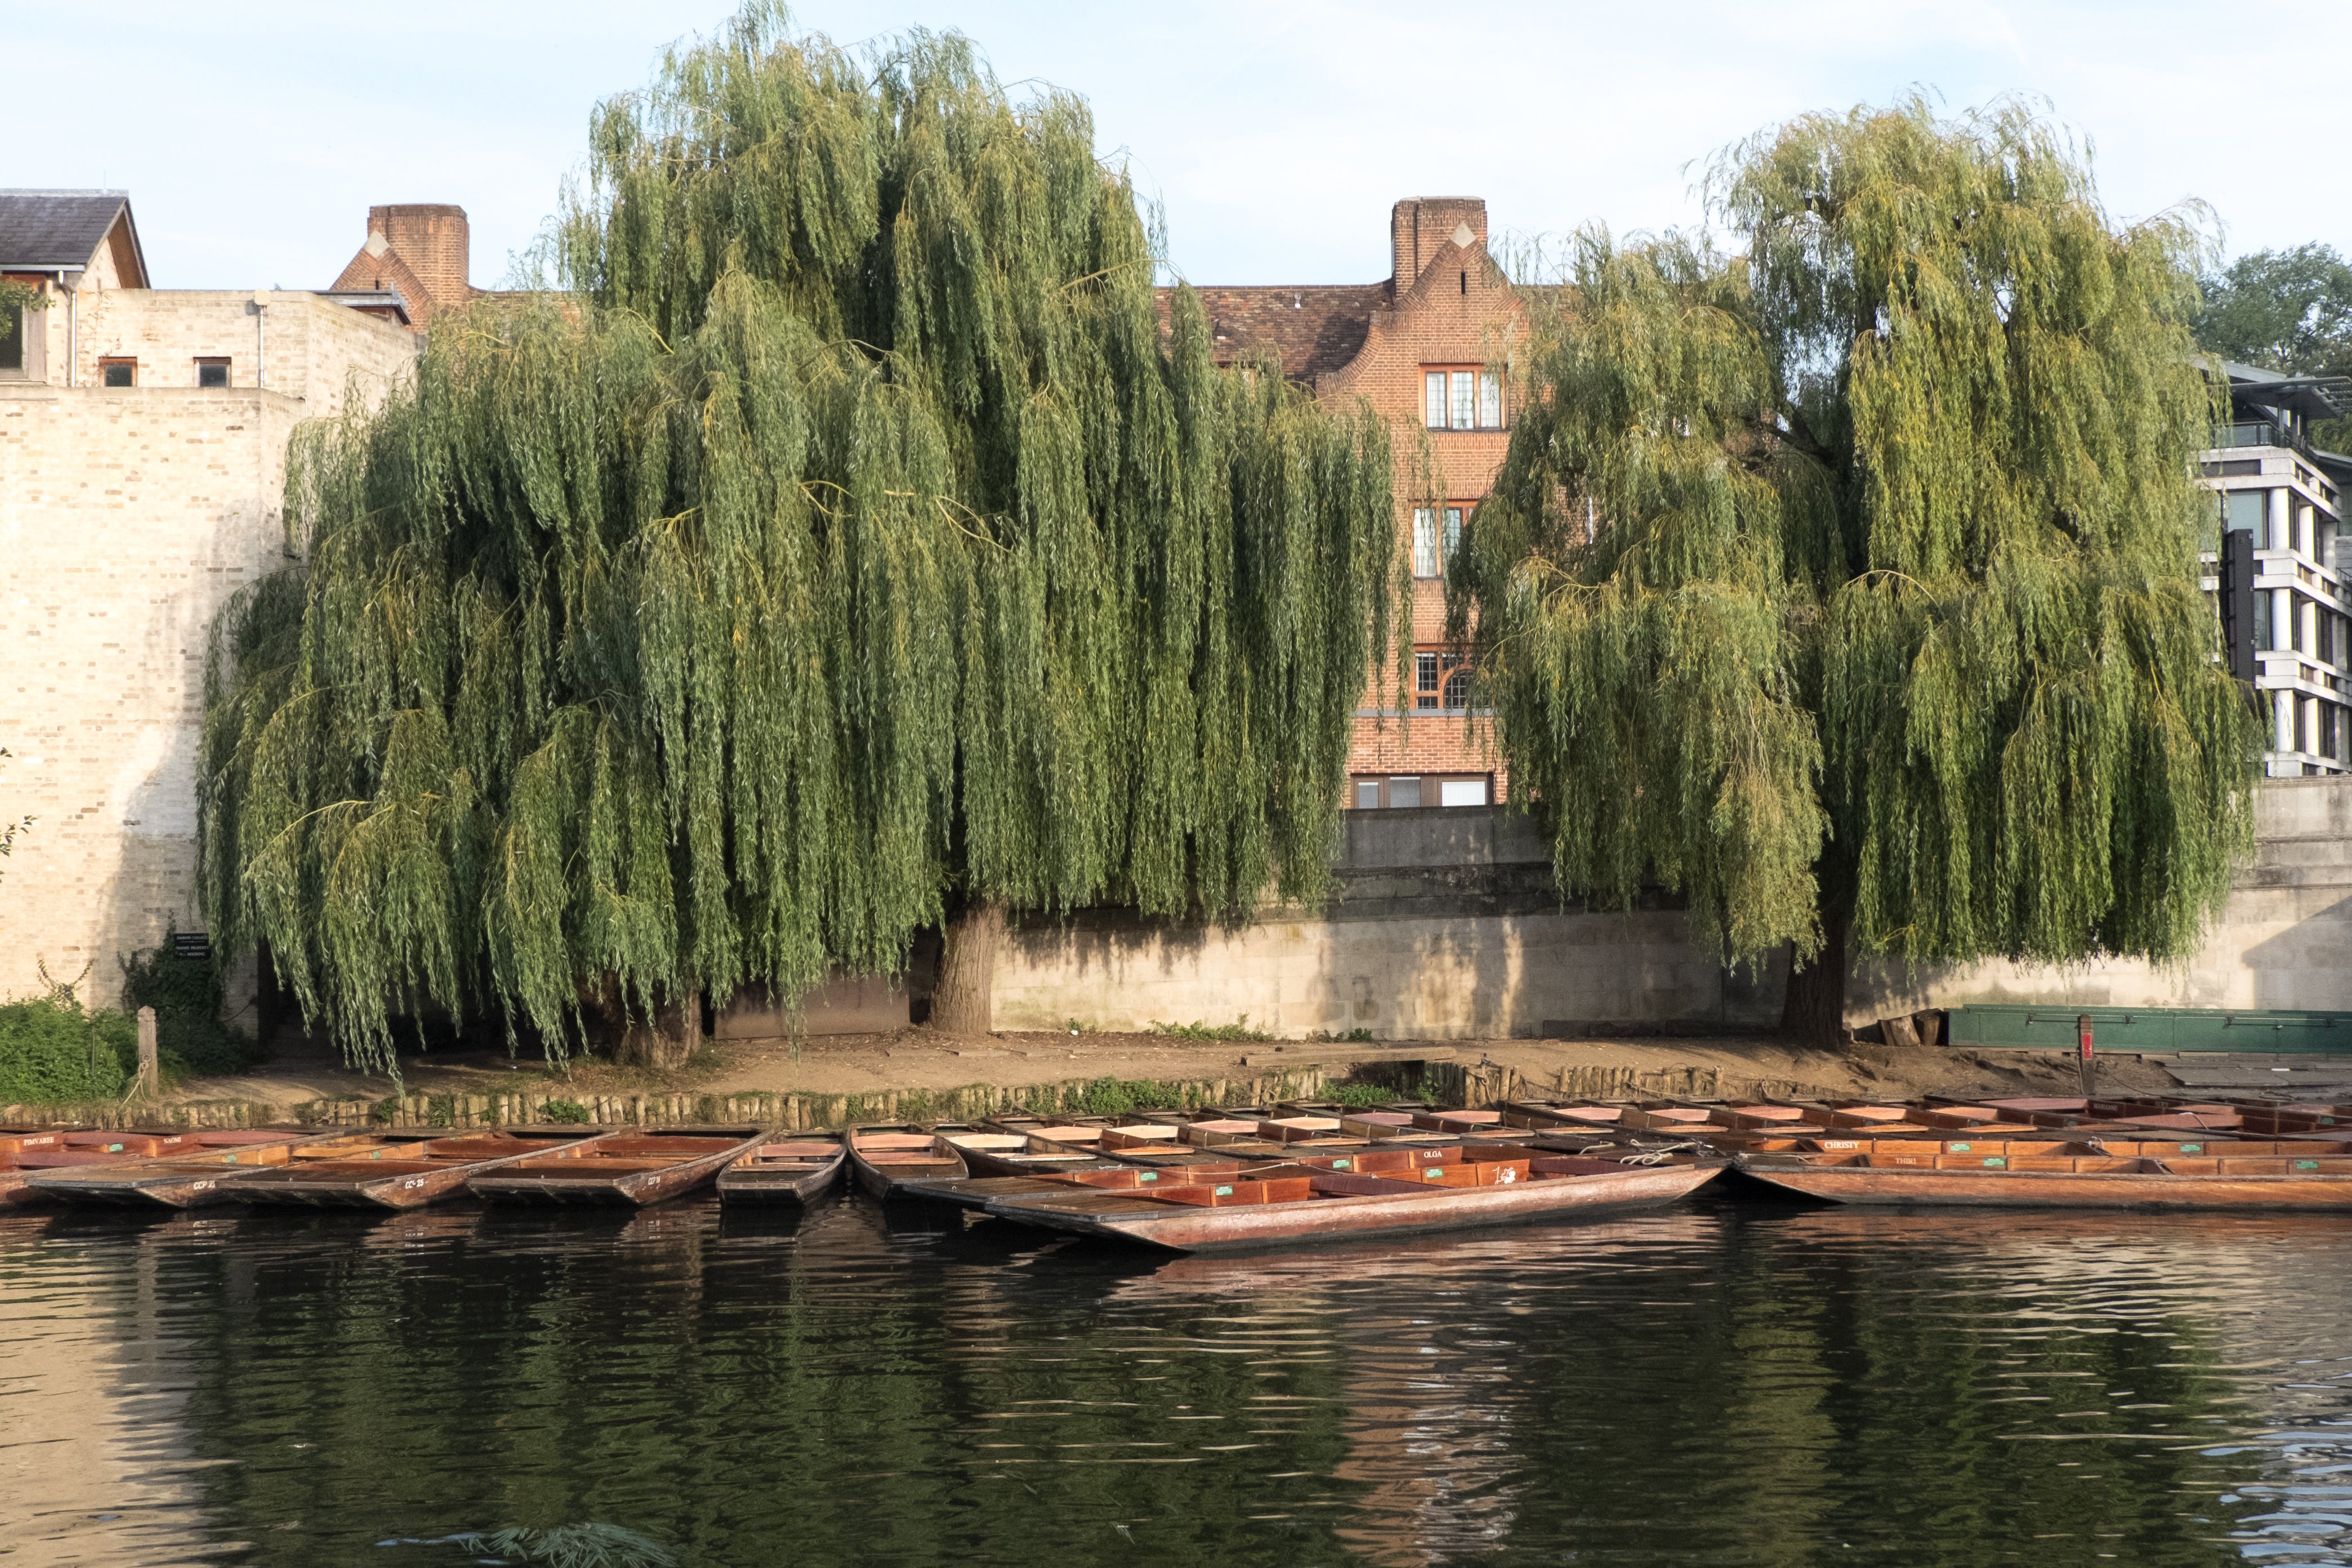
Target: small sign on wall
195, 945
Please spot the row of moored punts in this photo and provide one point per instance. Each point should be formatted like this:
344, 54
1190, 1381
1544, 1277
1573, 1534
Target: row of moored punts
1254, 1176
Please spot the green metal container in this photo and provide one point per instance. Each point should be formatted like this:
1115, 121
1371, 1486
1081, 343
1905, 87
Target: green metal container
2052, 1028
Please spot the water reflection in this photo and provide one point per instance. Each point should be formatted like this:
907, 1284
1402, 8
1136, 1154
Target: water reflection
1712, 1384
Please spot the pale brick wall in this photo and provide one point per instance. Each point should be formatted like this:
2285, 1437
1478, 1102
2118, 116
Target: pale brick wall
127, 518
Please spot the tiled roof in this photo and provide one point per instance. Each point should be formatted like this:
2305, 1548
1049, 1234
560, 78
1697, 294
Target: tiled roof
1311, 327
48, 229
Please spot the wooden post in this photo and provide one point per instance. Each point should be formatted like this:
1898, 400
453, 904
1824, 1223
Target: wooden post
2088, 1068
149, 1081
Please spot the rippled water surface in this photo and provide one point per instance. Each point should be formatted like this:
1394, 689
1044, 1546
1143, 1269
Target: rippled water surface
1717, 1383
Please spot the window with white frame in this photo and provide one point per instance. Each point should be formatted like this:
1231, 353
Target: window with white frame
1464, 399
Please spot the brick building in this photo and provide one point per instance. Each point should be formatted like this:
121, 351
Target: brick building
143, 465
417, 260
1427, 346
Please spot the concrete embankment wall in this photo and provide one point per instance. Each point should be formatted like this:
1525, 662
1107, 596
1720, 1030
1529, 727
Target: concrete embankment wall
2283, 940
1446, 924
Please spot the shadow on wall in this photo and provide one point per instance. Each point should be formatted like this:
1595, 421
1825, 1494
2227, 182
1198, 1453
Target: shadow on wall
2308, 965
1542, 974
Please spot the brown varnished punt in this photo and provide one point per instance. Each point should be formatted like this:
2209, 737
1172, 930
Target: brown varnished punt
401, 1170
627, 1168
885, 1158
792, 1169
192, 1174
1392, 1191
24, 1150
2066, 1181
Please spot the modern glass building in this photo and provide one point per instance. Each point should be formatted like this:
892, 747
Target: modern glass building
2289, 631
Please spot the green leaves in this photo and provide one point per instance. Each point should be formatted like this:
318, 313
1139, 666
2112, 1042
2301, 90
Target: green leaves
1857, 575
849, 544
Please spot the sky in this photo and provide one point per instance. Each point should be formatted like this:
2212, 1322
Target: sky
252, 136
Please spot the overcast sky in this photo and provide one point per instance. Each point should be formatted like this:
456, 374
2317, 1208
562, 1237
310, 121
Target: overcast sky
252, 136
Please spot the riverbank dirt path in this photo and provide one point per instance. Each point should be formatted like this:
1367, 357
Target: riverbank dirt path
922, 1059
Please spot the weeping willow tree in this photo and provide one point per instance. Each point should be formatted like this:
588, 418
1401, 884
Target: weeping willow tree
1846, 582
848, 548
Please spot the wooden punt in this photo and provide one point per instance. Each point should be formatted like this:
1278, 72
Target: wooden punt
402, 1169
24, 1150
1295, 1202
989, 1149
885, 1158
795, 1168
2072, 1176
188, 1176
629, 1168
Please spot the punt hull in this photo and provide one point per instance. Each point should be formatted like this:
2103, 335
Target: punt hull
195, 1182
556, 1188
394, 1190
758, 1187
2060, 1190
1341, 1219
881, 1185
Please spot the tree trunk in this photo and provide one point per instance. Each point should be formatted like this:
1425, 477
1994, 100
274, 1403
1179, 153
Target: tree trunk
964, 998
1814, 1011
666, 1042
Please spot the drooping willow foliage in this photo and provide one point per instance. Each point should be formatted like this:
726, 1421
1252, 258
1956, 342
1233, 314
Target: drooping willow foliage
1848, 583
851, 540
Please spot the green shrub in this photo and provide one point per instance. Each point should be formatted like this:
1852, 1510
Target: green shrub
52, 1050
190, 1037
1198, 1030
1362, 1096
564, 1111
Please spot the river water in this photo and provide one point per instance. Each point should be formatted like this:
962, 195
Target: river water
1719, 1383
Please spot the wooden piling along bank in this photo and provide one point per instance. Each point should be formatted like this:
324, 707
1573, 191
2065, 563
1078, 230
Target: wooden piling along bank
1491, 1082
554, 1103
1442, 1082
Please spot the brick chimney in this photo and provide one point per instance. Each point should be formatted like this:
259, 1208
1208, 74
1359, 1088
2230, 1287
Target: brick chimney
1420, 226
433, 240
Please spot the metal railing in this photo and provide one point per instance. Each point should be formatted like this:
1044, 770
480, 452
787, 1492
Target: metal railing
2260, 432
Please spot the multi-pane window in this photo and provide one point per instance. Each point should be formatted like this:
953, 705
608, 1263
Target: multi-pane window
1461, 400
119, 373
1396, 792
1440, 680
1436, 535
211, 372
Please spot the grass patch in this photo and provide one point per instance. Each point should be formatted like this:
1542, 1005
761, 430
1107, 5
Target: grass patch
1101, 1097
1362, 1096
1199, 1030
568, 1110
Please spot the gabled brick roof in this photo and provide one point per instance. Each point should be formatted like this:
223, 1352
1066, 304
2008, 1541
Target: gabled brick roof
44, 230
1312, 328
367, 272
